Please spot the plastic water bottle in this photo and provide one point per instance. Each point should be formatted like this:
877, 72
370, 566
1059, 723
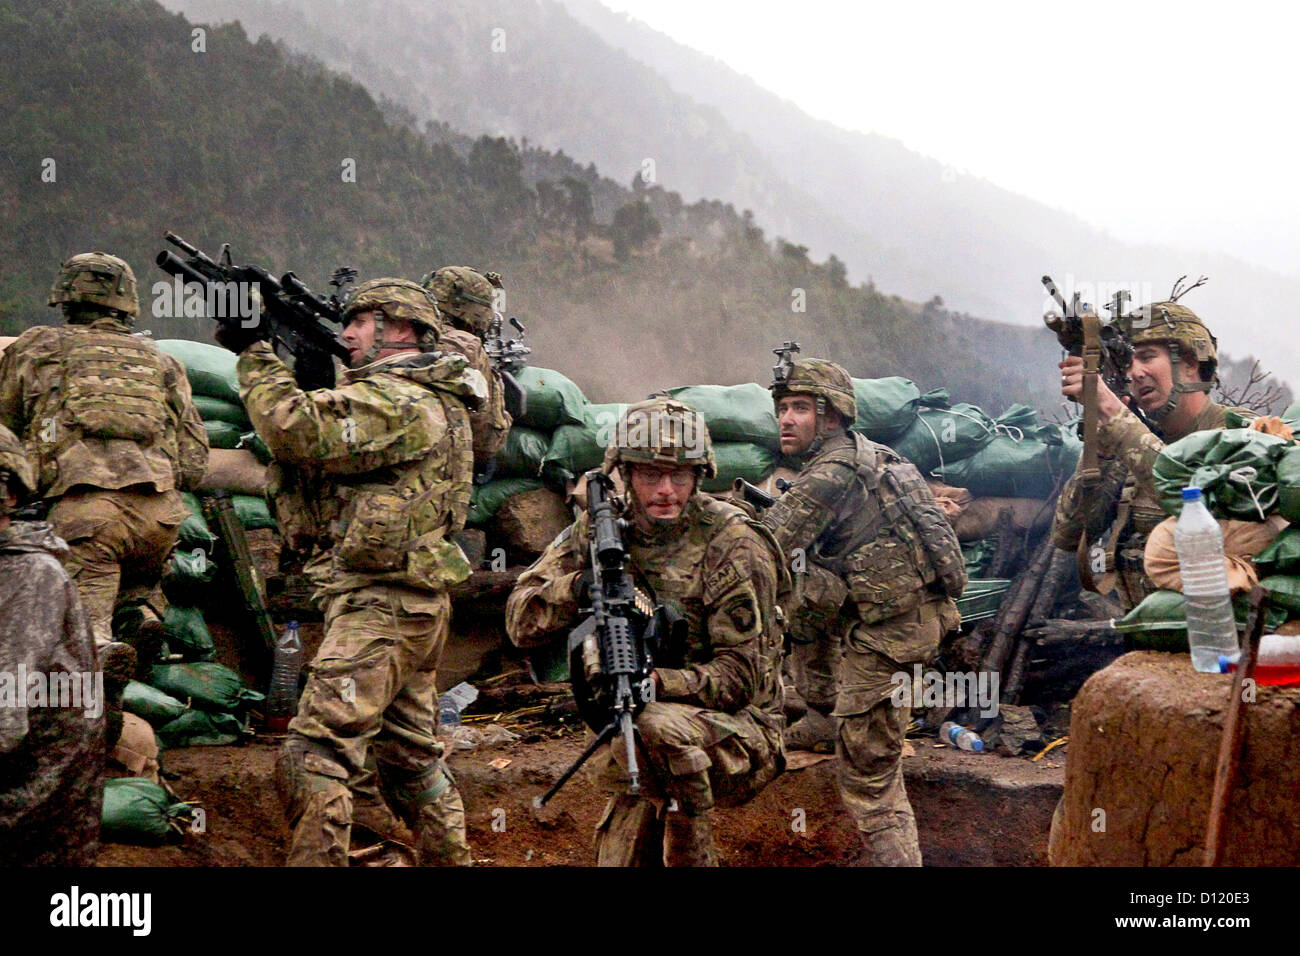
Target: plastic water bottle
282, 700
1211, 627
958, 736
1278, 663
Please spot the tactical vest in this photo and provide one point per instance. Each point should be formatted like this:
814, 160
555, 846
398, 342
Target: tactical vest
394, 523
114, 386
900, 550
674, 569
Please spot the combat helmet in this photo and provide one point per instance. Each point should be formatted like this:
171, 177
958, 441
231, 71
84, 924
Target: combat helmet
824, 380
15, 468
1181, 330
661, 431
96, 278
465, 296
399, 300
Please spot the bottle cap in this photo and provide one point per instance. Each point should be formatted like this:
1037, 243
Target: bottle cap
1192, 493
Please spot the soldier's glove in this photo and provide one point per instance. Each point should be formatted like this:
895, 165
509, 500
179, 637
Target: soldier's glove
236, 337
582, 588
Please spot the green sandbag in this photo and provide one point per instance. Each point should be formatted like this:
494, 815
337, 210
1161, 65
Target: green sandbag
739, 460
206, 685
978, 555
1284, 592
252, 511
1282, 556
886, 407
153, 705
486, 500
199, 728
223, 435
553, 400
219, 410
187, 633
195, 533
187, 577
1020, 417
252, 441
139, 812
1159, 623
944, 436
575, 449
523, 453
210, 368
1006, 468
1288, 484
1206, 459
734, 413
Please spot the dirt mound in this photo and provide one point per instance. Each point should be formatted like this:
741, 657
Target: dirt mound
971, 809
1144, 740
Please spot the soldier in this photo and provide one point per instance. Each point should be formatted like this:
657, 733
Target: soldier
713, 732
1174, 362
389, 451
51, 757
109, 424
465, 298
860, 512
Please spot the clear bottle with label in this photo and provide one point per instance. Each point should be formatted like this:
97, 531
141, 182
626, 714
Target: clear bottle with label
1211, 626
282, 698
954, 734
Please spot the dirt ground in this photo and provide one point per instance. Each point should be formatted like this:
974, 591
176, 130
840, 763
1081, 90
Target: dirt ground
972, 809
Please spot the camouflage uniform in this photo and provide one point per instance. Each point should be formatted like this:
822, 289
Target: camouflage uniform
813, 661
464, 297
842, 515
109, 423
51, 758
388, 455
713, 735
1124, 499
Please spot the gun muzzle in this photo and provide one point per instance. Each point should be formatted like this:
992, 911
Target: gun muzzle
174, 265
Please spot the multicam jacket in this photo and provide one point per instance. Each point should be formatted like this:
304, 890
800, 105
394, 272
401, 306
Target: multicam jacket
51, 754
709, 563
837, 516
96, 405
1124, 500
383, 461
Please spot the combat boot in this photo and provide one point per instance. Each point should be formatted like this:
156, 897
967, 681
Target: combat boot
630, 833
813, 731
138, 626
688, 839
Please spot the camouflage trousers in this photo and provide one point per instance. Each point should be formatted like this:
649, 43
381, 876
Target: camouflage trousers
120, 542
870, 729
371, 690
813, 664
690, 760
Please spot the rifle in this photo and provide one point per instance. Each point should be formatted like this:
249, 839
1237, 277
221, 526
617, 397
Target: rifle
508, 356
1106, 354
611, 653
296, 315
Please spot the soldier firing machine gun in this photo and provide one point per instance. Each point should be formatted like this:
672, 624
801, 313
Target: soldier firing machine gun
297, 316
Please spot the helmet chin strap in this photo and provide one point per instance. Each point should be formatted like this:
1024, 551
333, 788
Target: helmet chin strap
1179, 389
820, 434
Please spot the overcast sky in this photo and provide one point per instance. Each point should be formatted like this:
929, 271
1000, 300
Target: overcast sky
1163, 122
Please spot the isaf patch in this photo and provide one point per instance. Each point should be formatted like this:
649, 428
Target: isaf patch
722, 579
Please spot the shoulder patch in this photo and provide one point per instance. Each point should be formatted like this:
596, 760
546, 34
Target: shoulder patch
722, 579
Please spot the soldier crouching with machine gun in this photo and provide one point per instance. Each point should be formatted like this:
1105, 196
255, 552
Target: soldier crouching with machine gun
704, 696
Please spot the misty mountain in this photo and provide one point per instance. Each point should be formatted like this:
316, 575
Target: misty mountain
121, 125
572, 75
